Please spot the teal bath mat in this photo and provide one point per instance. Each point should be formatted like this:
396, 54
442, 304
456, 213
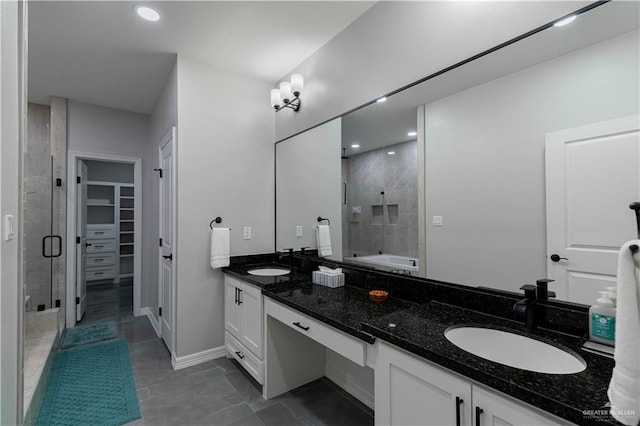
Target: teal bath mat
84, 334
91, 386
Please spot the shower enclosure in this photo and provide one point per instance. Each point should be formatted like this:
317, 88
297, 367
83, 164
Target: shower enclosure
44, 233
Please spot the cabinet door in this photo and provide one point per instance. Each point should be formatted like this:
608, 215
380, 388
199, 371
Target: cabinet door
499, 411
410, 391
251, 318
231, 308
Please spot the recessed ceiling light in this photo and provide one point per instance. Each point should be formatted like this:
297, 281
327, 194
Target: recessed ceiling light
382, 99
355, 145
565, 21
391, 152
148, 13
412, 134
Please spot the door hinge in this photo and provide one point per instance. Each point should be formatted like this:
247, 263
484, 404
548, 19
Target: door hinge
77, 300
77, 240
160, 312
158, 170
160, 242
78, 179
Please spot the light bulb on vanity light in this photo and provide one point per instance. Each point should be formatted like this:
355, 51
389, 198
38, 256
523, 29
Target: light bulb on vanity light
297, 83
285, 91
276, 100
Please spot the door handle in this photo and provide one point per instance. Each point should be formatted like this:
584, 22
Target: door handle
556, 258
459, 402
44, 246
479, 412
169, 256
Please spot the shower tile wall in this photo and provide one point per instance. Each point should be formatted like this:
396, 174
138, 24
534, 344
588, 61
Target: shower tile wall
397, 175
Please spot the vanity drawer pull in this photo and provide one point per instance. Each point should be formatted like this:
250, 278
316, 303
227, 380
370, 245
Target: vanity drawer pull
98, 260
239, 354
479, 412
459, 402
297, 324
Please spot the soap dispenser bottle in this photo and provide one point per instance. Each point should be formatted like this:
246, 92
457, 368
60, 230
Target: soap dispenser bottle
602, 320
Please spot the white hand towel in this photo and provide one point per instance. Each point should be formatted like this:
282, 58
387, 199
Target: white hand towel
624, 389
323, 238
220, 247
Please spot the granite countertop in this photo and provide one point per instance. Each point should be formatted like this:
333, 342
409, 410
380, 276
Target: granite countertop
241, 272
345, 308
420, 330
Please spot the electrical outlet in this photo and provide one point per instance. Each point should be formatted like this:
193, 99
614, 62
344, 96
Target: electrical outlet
437, 221
247, 232
299, 231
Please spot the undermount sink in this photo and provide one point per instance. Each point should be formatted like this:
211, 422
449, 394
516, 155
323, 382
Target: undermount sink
269, 272
515, 350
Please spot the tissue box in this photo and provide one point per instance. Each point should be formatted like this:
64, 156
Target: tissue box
328, 279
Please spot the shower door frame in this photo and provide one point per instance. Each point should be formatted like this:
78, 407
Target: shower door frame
72, 172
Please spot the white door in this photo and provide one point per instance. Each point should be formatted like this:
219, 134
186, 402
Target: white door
592, 175
167, 235
81, 250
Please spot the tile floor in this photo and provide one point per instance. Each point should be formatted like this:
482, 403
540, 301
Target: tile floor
217, 392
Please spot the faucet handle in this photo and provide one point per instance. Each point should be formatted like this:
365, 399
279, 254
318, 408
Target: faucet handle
529, 292
542, 292
302, 249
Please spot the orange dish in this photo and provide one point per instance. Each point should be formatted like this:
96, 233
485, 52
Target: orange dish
378, 295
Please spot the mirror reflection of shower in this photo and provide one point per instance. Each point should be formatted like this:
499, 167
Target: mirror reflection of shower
380, 208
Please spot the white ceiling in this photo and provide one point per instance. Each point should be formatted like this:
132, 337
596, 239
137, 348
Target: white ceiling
100, 52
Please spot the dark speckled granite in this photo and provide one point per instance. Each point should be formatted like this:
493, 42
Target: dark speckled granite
423, 309
344, 308
420, 330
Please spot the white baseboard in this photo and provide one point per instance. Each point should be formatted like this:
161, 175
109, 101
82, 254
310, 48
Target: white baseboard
345, 381
185, 361
152, 319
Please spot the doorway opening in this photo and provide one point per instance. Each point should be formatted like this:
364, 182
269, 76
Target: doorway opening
105, 221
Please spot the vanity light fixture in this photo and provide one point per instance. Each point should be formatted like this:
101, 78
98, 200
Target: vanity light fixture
412, 134
565, 21
147, 13
355, 145
391, 153
288, 95
382, 99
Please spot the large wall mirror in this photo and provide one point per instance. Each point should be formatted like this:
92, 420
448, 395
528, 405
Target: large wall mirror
478, 175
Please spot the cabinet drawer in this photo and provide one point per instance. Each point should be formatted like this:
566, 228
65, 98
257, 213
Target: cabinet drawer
105, 259
100, 273
101, 246
250, 363
101, 231
345, 345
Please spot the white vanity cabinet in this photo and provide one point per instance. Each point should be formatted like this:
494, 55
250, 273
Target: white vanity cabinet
412, 391
243, 310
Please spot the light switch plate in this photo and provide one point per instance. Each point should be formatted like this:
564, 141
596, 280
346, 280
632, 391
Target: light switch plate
437, 221
9, 232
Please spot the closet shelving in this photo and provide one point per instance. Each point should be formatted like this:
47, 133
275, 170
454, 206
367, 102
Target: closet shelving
110, 224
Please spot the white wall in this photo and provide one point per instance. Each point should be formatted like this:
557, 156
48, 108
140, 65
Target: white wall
163, 117
397, 43
225, 168
308, 185
485, 160
99, 129
10, 123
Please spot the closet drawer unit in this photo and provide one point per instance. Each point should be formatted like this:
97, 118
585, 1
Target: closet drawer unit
248, 360
101, 246
105, 259
101, 231
343, 344
100, 273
